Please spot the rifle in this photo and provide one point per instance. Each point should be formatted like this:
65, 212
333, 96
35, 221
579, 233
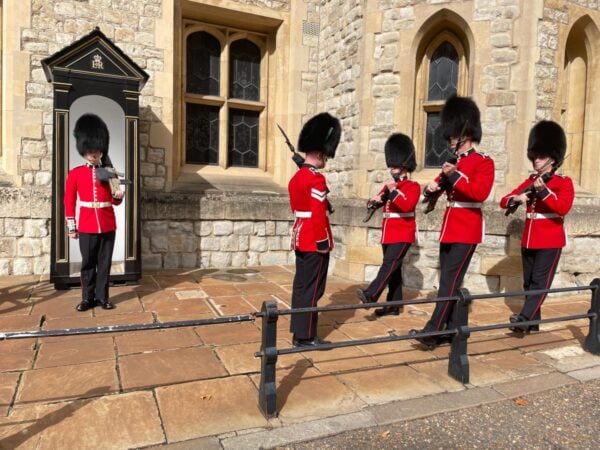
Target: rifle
108, 174
296, 157
374, 206
512, 205
431, 198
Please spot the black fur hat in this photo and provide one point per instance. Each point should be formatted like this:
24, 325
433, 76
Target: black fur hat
400, 152
547, 138
457, 112
91, 133
321, 133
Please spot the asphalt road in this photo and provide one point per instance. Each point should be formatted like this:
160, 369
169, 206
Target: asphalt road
563, 418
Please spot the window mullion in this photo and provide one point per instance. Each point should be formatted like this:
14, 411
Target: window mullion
224, 113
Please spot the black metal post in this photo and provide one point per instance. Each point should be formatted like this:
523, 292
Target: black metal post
267, 393
458, 362
592, 342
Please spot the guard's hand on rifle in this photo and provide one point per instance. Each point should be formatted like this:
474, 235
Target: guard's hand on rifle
118, 195
521, 198
448, 168
391, 185
539, 184
432, 187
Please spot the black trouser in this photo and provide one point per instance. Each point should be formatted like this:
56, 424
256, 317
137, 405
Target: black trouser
539, 267
96, 257
308, 288
390, 273
454, 262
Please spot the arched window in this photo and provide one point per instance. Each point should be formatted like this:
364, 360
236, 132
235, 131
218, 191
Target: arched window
573, 102
579, 105
224, 111
442, 72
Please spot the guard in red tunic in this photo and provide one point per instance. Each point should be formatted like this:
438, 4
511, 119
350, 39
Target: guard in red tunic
96, 225
400, 196
467, 181
549, 198
311, 234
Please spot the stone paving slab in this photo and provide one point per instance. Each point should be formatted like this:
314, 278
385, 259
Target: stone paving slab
591, 373
425, 406
168, 367
117, 421
299, 432
16, 355
568, 358
152, 340
239, 358
66, 382
20, 322
389, 383
78, 351
231, 305
229, 333
437, 372
530, 385
210, 407
303, 393
8, 387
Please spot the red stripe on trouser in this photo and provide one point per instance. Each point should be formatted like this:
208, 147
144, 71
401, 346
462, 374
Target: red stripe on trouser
384, 282
453, 286
312, 314
548, 282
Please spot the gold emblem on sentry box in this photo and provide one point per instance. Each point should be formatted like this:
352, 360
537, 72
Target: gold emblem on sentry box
97, 62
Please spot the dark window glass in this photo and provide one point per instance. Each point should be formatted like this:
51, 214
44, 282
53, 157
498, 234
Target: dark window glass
203, 66
244, 70
436, 146
202, 134
443, 72
243, 138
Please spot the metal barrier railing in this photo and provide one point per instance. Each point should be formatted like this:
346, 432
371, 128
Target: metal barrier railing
116, 328
458, 361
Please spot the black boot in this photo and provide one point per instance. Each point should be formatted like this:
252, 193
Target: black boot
516, 319
85, 305
363, 296
388, 311
430, 341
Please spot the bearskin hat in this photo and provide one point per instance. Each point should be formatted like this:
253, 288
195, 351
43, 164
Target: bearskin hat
457, 112
547, 138
321, 133
91, 133
400, 152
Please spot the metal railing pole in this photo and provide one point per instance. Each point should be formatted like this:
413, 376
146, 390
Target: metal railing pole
458, 362
592, 341
267, 392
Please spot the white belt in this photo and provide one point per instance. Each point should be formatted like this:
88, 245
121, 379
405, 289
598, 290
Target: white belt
95, 205
303, 214
537, 215
394, 215
464, 204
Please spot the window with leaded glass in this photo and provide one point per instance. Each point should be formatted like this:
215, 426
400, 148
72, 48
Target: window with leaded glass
224, 114
442, 83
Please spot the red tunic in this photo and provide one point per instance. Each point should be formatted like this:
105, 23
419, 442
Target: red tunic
308, 199
471, 186
544, 223
83, 183
399, 224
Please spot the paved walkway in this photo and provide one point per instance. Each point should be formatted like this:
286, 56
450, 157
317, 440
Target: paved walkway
197, 387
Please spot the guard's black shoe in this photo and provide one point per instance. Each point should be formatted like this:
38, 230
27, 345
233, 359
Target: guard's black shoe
363, 296
388, 311
106, 304
312, 342
85, 305
430, 342
516, 318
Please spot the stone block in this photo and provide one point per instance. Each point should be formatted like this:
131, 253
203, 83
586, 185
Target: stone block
210, 243
203, 228
364, 255
273, 258
222, 228
258, 244
501, 266
243, 228
22, 266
